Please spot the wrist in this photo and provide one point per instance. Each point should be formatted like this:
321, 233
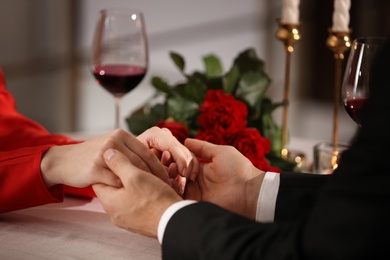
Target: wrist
47, 167
252, 193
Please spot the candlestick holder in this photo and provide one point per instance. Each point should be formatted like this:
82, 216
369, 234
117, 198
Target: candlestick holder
289, 34
339, 43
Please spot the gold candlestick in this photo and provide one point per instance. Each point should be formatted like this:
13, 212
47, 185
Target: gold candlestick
338, 42
288, 34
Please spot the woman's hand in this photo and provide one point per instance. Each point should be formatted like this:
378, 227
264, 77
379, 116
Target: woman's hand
80, 165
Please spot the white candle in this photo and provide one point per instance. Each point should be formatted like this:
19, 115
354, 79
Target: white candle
290, 12
341, 15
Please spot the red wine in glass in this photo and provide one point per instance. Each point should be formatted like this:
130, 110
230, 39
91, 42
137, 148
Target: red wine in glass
119, 79
354, 109
356, 84
119, 57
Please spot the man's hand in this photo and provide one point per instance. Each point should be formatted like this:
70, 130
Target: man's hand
140, 203
226, 178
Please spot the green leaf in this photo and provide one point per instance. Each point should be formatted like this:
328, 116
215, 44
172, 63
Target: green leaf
252, 88
139, 121
275, 134
181, 108
230, 80
213, 66
249, 61
267, 106
194, 90
160, 84
200, 76
214, 83
178, 60
269, 128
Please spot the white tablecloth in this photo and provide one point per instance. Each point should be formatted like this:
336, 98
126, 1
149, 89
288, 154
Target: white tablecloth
74, 229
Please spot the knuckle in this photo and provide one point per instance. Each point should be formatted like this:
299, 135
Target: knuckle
119, 132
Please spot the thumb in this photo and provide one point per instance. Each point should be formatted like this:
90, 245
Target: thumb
202, 149
118, 163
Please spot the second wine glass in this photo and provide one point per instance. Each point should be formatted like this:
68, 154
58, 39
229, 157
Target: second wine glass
356, 84
119, 52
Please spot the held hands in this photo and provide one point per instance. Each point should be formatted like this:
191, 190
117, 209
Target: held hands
82, 164
226, 178
140, 203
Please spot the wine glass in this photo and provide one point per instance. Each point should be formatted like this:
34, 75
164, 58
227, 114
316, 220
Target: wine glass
356, 84
119, 52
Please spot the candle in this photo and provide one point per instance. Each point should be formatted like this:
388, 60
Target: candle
290, 12
341, 15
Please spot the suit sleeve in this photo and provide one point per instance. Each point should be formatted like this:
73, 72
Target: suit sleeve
341, 216
211, 232
297, 194
348, 217
206, 231
349, 220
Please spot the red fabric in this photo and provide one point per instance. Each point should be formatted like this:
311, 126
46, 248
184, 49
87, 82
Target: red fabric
22, 144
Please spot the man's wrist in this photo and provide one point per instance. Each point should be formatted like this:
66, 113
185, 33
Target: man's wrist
252, 194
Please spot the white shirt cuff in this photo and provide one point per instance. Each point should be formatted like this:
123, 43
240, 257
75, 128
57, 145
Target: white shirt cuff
265, 211
266, 202
167, 216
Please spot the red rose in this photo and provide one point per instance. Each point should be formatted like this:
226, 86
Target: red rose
178, 130
253, 146
250, 143
211, 136
222, 113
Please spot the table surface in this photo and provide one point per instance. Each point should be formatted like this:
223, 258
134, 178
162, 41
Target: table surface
75, 229
80, 229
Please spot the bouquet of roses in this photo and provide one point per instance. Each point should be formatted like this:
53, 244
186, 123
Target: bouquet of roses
227, 108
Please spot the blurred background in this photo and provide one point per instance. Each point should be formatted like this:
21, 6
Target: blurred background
45, 48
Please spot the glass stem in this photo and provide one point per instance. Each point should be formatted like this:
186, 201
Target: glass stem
117, 110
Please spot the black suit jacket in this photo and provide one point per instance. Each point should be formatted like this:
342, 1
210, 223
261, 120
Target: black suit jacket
345, 216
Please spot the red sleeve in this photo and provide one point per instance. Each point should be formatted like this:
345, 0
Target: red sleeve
21, 184
22, 143
18, 131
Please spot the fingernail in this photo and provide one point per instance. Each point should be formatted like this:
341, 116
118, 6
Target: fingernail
184, 172
182, 187
193, 176
108, 154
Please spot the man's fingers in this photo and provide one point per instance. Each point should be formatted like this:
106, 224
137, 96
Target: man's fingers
104, 193
156, 152
172, 170
195, 169
201, 149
